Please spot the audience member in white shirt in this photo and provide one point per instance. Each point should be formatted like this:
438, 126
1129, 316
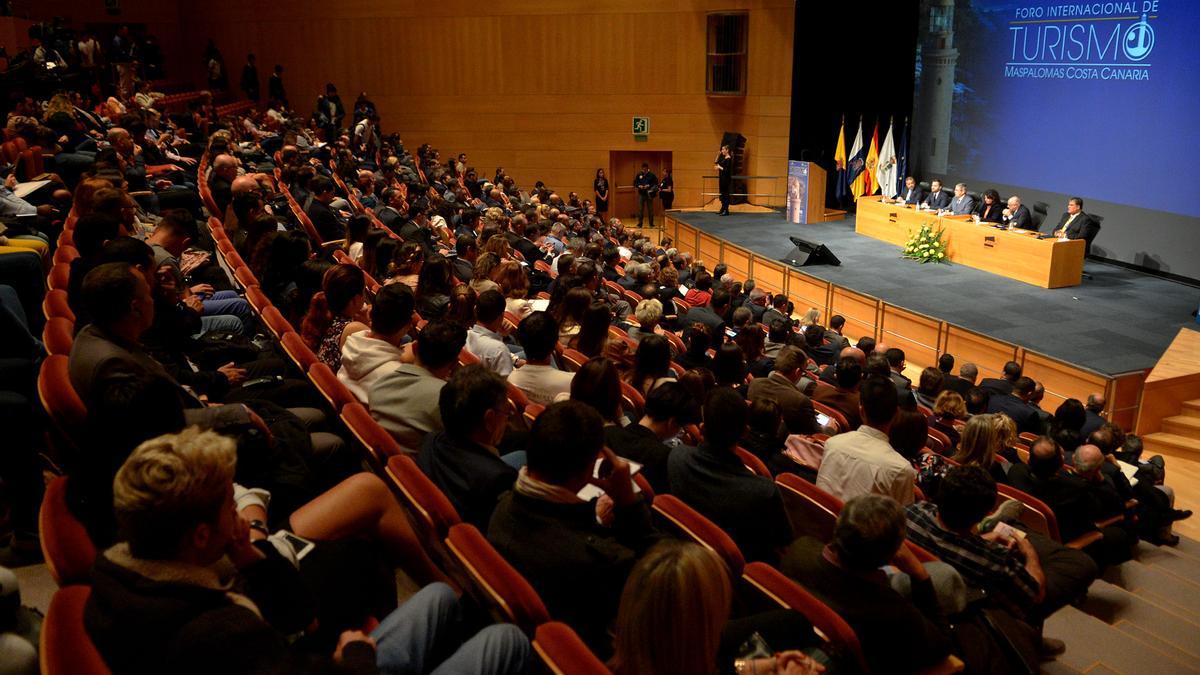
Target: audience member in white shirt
862, 461
538, 378
370, 354
484, 340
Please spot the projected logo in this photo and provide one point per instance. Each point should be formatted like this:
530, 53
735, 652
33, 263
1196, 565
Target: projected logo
1088, 41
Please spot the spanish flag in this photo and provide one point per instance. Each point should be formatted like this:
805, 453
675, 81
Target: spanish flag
869, 185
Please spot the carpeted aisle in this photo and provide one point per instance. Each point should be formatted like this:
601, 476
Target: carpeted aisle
1118, 321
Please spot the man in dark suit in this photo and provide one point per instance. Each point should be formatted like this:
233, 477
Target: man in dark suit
962, 383
669, 407
1016, 406
778, 310
328, 223
463, 264
843, 397
1075, 224
712, 315
392, 202
1017, 214
995, 385
951, 382
837, 323
895, 358
937, 198
417, 227
1093, 408
912, 193
712, 479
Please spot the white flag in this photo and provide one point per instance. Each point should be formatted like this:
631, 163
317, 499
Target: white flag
885, 170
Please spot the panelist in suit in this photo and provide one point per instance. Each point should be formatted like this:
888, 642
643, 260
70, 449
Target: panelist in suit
1075, 224
1017, 214
937, 199
912, 193
989, 207
963, 203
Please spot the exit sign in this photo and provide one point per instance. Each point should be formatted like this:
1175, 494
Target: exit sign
641, 126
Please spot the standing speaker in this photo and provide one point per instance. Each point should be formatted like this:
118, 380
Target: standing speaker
809, 253
737, 148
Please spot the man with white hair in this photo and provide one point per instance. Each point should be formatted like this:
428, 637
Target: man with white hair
1017, 214
962, 204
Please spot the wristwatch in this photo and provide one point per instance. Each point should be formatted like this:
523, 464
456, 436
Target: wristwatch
260, 526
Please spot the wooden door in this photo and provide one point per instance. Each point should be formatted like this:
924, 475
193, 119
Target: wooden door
624, 166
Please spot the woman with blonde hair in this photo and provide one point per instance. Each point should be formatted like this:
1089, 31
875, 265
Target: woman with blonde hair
1006, 437
674, 609
811, 318
948, 408
978, 447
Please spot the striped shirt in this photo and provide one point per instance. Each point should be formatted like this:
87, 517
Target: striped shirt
984, 565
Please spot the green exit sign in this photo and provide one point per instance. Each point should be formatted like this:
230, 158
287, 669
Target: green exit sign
641, 126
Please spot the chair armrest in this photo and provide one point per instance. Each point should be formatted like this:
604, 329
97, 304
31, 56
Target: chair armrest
1085, 540
1107, 522
951, 664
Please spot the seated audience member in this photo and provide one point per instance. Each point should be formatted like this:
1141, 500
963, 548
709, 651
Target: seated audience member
698, 339
370, 354
764, 438
648, 313
843, 396
1006, 440
702, 292
798, 414
829, 375
1003, 385
712, 479
541, 382
463, 460
552, 537
1016, 406
976, 400
675, 618
669, 408
909, 435
779, 335
329, 223
1069, 418
1016, 214
948, 409
484, 340
867, 345
651, 365
405, 401
837, 323
896, 363
1044, 418
929, 386
898, 634
712, 314
824, 352
335, 312
162, 599
862, 461
752, 342
729, 367
598, 385
959, 383
1093, 410
978, 446
1031, 576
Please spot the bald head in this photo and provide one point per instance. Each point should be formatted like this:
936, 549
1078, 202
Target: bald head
225, 166
1095, 402
854, 353
244, 184
1088, 459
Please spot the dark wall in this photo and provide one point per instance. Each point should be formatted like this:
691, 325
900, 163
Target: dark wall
851, 59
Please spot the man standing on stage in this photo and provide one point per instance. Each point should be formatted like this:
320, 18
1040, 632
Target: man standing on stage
724, 167
647, 186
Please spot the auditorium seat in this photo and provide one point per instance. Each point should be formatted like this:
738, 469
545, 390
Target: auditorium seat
55, 305
60, 276
245, 277
941, 438
564, 653
494, 582
811, 510
335, 393
275, 322
633, 401
531, 413
297, 351
1040, 518
430, 508
65, 253
65, 647
752, 462
838, 417
573, 360
66, 546
58, 335
59, 398
517, 398
257, 299
379, 444
687, 522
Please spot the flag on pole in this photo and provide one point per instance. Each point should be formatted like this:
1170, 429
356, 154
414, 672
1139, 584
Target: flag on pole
855, 165
885, 173
902, 164
839, 161
869, 184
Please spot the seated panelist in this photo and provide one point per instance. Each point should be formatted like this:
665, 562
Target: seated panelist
989, 209
1017, 214
1075, 224
912, 193
962, 204
937, 199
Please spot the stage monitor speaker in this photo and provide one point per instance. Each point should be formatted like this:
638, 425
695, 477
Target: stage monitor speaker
809, 253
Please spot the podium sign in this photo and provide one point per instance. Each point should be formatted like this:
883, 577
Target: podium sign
798, 210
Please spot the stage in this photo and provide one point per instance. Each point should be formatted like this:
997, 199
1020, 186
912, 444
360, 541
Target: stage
1118, 321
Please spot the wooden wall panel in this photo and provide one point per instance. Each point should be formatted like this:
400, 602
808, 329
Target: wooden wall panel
859, 310
737, 259
769, 275
988, 354
806, 291
1124, 396
1062, 380
545, 90
916, 334
710, 252
685, 239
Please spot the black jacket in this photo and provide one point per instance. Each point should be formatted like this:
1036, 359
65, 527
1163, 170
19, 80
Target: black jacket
641, 445
576, 565
1021, 219
1019, 411
328, 224
471, 476
938, 200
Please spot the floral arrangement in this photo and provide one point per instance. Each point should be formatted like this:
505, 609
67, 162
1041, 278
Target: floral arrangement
926, 245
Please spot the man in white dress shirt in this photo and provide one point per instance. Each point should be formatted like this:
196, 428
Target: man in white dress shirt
862, 461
